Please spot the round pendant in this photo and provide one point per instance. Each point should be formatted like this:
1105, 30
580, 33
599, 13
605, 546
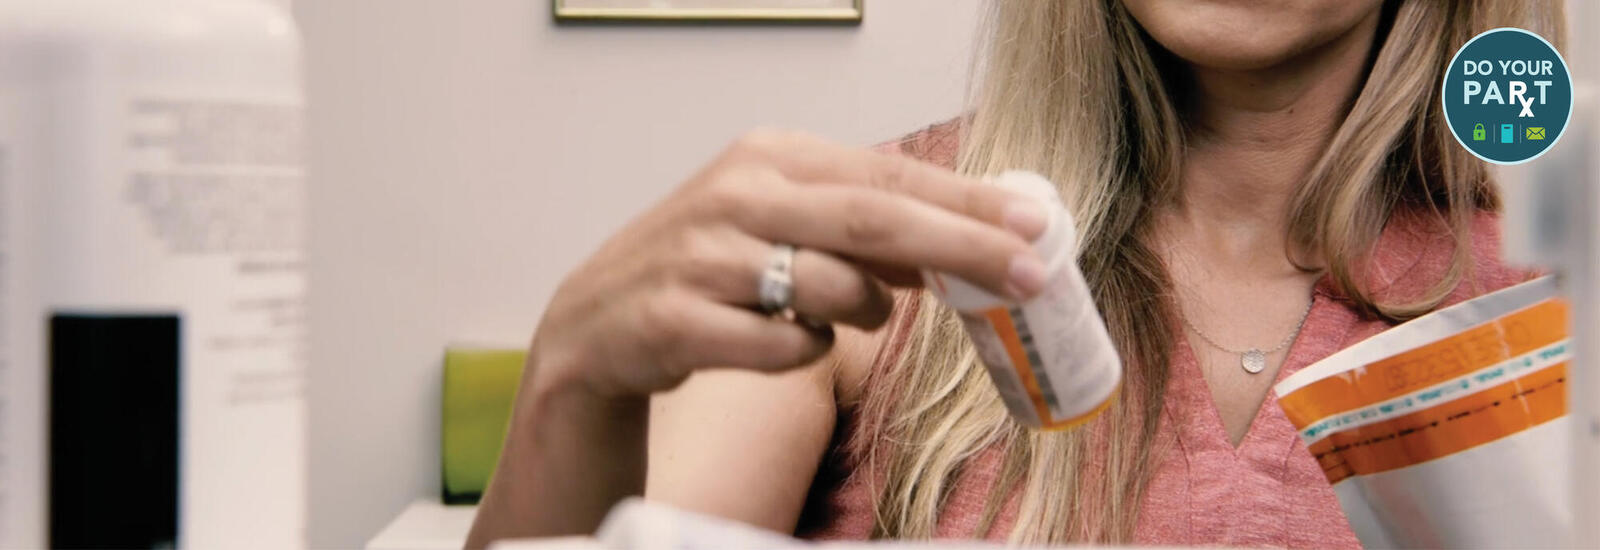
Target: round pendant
1253, 361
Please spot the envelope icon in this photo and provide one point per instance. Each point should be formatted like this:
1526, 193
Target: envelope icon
1535, 132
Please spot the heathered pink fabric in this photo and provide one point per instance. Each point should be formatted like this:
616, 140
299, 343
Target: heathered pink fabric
1267, 492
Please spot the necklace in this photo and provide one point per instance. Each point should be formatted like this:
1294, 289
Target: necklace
1253, 360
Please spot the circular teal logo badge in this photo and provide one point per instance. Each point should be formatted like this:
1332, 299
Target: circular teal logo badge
1507, 96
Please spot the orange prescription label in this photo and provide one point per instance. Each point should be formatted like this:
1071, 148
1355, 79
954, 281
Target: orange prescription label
1008, 346
1449, 430
1050, 356
1478, 385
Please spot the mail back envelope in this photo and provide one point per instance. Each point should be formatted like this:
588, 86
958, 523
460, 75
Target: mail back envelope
1447, 431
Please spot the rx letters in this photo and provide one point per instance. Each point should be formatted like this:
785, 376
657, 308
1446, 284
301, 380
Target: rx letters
1518, 92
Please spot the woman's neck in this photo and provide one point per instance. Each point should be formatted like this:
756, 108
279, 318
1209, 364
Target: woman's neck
1252, 138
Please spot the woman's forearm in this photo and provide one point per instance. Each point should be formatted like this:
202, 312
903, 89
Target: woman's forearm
676, 292
575, 455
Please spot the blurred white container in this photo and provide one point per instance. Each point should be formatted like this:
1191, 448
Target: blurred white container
150, 160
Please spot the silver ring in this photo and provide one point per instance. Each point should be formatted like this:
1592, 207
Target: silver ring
776, 286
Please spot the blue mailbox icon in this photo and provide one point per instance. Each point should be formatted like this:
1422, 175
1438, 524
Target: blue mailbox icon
1507, 133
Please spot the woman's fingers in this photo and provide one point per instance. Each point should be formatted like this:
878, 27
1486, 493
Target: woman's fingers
884, 227
726, 265
890, 274
857, 218
690, 332
807, 159
826, 287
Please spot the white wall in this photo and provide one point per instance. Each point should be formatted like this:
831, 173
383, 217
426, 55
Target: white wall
465, 155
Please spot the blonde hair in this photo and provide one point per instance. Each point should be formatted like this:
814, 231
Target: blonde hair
1076, 91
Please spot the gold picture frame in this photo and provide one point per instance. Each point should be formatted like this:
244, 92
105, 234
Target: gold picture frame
848, 12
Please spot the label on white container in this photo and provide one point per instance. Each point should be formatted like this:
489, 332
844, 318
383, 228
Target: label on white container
22, 371
19, 430
1050, 357
150, 168
211, 202
189, 203
1037, 356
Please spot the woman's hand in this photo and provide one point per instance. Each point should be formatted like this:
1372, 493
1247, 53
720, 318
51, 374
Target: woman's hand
677, 290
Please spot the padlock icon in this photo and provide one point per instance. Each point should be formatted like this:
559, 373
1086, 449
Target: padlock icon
1477, 132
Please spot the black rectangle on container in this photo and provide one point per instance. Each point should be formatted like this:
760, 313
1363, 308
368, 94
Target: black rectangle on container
114, 428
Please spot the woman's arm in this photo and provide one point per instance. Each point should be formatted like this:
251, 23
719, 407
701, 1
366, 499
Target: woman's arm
732, 443
741, 445
745, 445
587, 449
676, 291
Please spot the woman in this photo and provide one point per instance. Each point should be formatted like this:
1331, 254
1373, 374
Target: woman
1246, 175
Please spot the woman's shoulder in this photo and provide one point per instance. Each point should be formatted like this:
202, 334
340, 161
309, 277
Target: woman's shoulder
1418, 249
867, 352
935, 144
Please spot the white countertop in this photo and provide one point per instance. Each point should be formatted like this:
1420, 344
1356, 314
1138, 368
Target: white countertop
426, 524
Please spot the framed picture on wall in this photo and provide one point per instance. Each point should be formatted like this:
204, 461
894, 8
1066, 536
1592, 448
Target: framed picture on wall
836, 11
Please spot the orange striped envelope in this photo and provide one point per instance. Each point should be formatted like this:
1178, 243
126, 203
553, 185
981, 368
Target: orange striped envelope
1447, 430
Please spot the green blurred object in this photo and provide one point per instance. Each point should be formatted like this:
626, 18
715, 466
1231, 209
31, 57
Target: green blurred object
479, 387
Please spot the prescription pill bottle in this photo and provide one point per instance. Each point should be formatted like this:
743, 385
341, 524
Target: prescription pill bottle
1050, 356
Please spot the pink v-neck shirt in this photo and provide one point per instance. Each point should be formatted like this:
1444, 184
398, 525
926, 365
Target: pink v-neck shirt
1269, 490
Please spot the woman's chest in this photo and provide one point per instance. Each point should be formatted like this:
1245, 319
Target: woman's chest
1259, 488
1268, 491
